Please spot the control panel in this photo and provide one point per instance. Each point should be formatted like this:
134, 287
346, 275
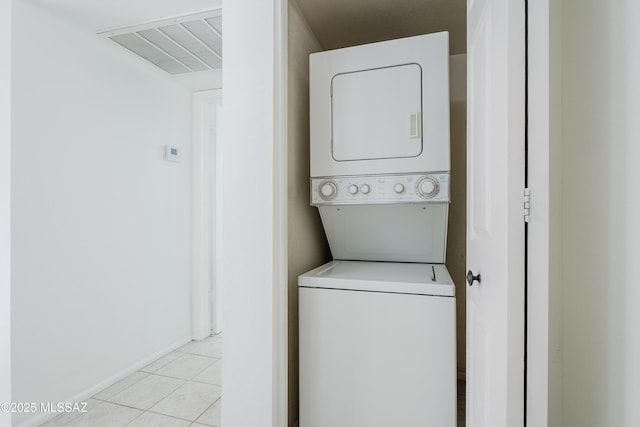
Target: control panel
373, 189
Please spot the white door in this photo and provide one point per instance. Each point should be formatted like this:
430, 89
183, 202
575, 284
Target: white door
495, 224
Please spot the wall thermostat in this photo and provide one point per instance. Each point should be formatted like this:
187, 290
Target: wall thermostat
172, 154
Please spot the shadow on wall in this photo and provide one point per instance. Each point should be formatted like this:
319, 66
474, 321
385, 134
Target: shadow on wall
457, 234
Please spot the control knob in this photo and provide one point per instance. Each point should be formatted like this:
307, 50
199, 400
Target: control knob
353, 189
428, 187
398, 188
328, 190
365, 188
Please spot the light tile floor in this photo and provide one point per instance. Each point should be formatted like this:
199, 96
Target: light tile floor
179, 389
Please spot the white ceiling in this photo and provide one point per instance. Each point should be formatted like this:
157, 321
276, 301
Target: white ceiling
336, 23
341, 23
92, 16
96, 15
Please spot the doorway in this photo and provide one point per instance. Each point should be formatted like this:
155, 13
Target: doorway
323, 30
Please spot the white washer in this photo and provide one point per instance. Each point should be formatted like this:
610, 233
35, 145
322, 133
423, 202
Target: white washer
377, 345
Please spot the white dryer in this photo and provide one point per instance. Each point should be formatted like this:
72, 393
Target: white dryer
381, 108
380, 150
377, 345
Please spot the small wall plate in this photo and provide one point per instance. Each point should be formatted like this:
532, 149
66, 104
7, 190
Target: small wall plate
172, 154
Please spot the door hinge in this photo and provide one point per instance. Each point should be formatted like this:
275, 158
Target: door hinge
527, 204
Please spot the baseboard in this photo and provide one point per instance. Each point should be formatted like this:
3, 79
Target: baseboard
94, 389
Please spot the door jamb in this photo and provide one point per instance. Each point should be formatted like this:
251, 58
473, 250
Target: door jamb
540, 264
280, 226
202, 226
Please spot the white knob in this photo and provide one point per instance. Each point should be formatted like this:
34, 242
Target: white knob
427, 187
398, 188
328, 190
365, 189
353, 189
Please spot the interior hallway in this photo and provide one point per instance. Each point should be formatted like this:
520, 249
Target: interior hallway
180, 389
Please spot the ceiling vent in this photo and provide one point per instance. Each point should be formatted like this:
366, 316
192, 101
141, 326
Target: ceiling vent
178, 45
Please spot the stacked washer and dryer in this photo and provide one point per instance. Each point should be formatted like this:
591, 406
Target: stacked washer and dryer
377, 330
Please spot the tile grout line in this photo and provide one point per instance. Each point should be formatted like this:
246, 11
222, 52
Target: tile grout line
213, 361
178, 378
199, 415
108, 387
207, 408
146, 410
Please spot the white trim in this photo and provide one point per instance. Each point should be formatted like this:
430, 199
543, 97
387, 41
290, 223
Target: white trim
539, 271
202, 225
5, 208
280, 273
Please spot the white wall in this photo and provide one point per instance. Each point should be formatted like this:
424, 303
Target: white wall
5, 202
252, 239
600, 212
101, 222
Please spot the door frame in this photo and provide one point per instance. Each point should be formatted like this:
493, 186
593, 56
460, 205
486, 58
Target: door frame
544, 135
202, 248
280, 212
540, 135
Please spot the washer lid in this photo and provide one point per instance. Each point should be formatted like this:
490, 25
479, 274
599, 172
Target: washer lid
393, 277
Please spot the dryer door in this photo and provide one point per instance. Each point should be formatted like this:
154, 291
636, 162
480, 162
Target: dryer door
377, 113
